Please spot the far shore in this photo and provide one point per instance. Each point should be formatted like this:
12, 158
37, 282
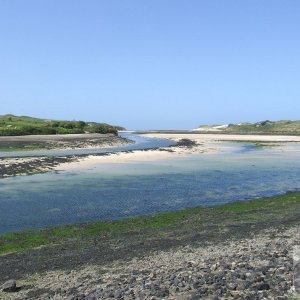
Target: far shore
60, 141
200, 137
203, 144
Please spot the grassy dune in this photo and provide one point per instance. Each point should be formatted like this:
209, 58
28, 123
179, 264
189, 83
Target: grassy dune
285, 127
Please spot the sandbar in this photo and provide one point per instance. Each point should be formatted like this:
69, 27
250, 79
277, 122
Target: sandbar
205, 144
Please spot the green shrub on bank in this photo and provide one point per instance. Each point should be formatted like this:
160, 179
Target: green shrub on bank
11, 125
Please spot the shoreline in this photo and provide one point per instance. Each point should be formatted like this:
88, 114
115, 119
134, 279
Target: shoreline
193, 144
60, 142
128, 257
226, 137
16, 166
211, 144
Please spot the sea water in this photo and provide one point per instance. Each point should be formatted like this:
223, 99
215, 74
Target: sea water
111, 191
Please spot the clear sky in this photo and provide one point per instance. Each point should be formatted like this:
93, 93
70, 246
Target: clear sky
151, 64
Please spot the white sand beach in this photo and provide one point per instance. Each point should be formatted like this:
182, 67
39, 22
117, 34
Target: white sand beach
225, 137
205, 143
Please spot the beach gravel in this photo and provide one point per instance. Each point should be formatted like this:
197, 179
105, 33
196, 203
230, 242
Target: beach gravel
259, 267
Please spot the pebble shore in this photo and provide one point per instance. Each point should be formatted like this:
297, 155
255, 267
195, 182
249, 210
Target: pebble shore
259, 267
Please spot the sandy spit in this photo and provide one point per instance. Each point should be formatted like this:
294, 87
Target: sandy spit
205, 143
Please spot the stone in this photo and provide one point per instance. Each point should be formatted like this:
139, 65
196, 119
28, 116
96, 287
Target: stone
281, 270
233, 265
263, 286
191, 263
9, 286
194, 296
118, 294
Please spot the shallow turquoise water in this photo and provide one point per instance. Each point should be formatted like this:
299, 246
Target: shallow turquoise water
119, 190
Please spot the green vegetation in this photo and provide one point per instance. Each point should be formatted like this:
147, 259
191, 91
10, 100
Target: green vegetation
264, 127
263, 212
11, 125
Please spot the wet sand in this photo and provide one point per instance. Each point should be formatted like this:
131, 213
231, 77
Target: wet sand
203, 144
10, 166
61, 141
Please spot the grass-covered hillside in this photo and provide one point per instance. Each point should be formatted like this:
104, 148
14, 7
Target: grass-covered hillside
11, 125
264, 127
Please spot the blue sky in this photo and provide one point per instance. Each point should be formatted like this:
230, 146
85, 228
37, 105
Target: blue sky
150, 64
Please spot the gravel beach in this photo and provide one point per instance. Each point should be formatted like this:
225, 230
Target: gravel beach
258, 267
